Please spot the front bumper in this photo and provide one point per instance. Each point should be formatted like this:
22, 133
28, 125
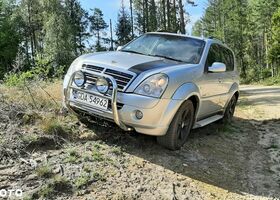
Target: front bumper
157, 113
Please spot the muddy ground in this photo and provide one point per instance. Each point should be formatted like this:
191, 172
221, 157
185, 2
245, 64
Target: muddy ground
50, 155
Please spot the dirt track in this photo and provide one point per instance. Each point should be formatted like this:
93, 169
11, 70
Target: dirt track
237, 161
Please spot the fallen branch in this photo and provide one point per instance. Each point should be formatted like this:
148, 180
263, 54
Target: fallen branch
31, 95
49, 96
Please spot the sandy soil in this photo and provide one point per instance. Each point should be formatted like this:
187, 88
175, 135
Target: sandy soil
236, 161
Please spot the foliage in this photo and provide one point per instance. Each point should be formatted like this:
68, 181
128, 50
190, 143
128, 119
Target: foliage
274, 52
97, 26
248, 28
10, 35
123, 29
14, 79
167, 15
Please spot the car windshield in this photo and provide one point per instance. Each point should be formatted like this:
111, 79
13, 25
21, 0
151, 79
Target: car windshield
182, 49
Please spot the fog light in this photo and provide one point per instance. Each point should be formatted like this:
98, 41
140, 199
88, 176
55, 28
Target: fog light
102, 85
138, 114
79, 79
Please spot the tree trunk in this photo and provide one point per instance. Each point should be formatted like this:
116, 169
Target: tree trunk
144, 18
182, 18
168, 15
147, 16
131, 18
164, 14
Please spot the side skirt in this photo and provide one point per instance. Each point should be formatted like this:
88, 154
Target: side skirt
207, 121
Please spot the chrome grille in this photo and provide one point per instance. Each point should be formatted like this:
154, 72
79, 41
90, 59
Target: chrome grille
93, 68
122, 78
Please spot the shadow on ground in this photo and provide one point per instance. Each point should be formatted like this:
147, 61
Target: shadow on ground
226, 156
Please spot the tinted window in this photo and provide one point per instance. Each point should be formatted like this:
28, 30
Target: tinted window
213, 56
219, 53
228, 59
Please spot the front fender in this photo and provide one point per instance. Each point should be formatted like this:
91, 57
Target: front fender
185, 91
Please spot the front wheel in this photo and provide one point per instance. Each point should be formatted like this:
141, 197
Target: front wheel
179, 128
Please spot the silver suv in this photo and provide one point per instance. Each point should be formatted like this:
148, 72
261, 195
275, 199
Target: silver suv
159, 84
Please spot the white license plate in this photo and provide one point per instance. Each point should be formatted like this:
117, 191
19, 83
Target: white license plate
90, 99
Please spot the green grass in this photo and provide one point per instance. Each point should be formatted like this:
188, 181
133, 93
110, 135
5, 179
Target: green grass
117, 151
30, 138
97, 156
87, 177
54, 126
73, 156
44, 171
58, 184
271, 81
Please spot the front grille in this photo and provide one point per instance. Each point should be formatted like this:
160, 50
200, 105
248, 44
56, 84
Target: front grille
122, 78
93, 68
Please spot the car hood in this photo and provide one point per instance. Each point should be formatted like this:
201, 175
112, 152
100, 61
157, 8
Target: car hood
128, 61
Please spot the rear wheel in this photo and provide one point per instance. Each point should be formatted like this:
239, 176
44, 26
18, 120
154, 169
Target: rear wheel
229, 112
179, 128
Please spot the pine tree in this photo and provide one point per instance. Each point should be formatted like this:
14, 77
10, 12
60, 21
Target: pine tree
78, 19
58, 40
97, 26
123, 29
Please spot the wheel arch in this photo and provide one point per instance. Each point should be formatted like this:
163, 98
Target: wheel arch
188, 91
234, 91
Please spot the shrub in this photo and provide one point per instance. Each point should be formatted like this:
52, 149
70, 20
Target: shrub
14, 79
44, 69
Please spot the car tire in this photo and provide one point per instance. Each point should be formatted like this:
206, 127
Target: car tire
179, 128
229, 112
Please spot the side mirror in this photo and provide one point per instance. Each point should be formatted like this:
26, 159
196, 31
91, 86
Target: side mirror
217, 67
119, 48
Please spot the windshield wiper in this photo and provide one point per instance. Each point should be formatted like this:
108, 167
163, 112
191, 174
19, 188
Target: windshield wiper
130, 51
166, 57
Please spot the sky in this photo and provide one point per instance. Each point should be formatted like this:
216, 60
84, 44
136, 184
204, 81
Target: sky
110, 9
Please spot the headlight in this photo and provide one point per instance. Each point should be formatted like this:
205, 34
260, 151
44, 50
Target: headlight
153, 86
75, 66
79, 78
102, 85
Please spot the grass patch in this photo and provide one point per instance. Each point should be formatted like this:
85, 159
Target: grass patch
30, 118
243, 103
97, 156
57, 185
53, 127
30, 138
36, 94
86, 178
44, 171
117, 151
73, 156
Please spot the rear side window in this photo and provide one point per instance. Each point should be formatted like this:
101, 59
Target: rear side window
228, 59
